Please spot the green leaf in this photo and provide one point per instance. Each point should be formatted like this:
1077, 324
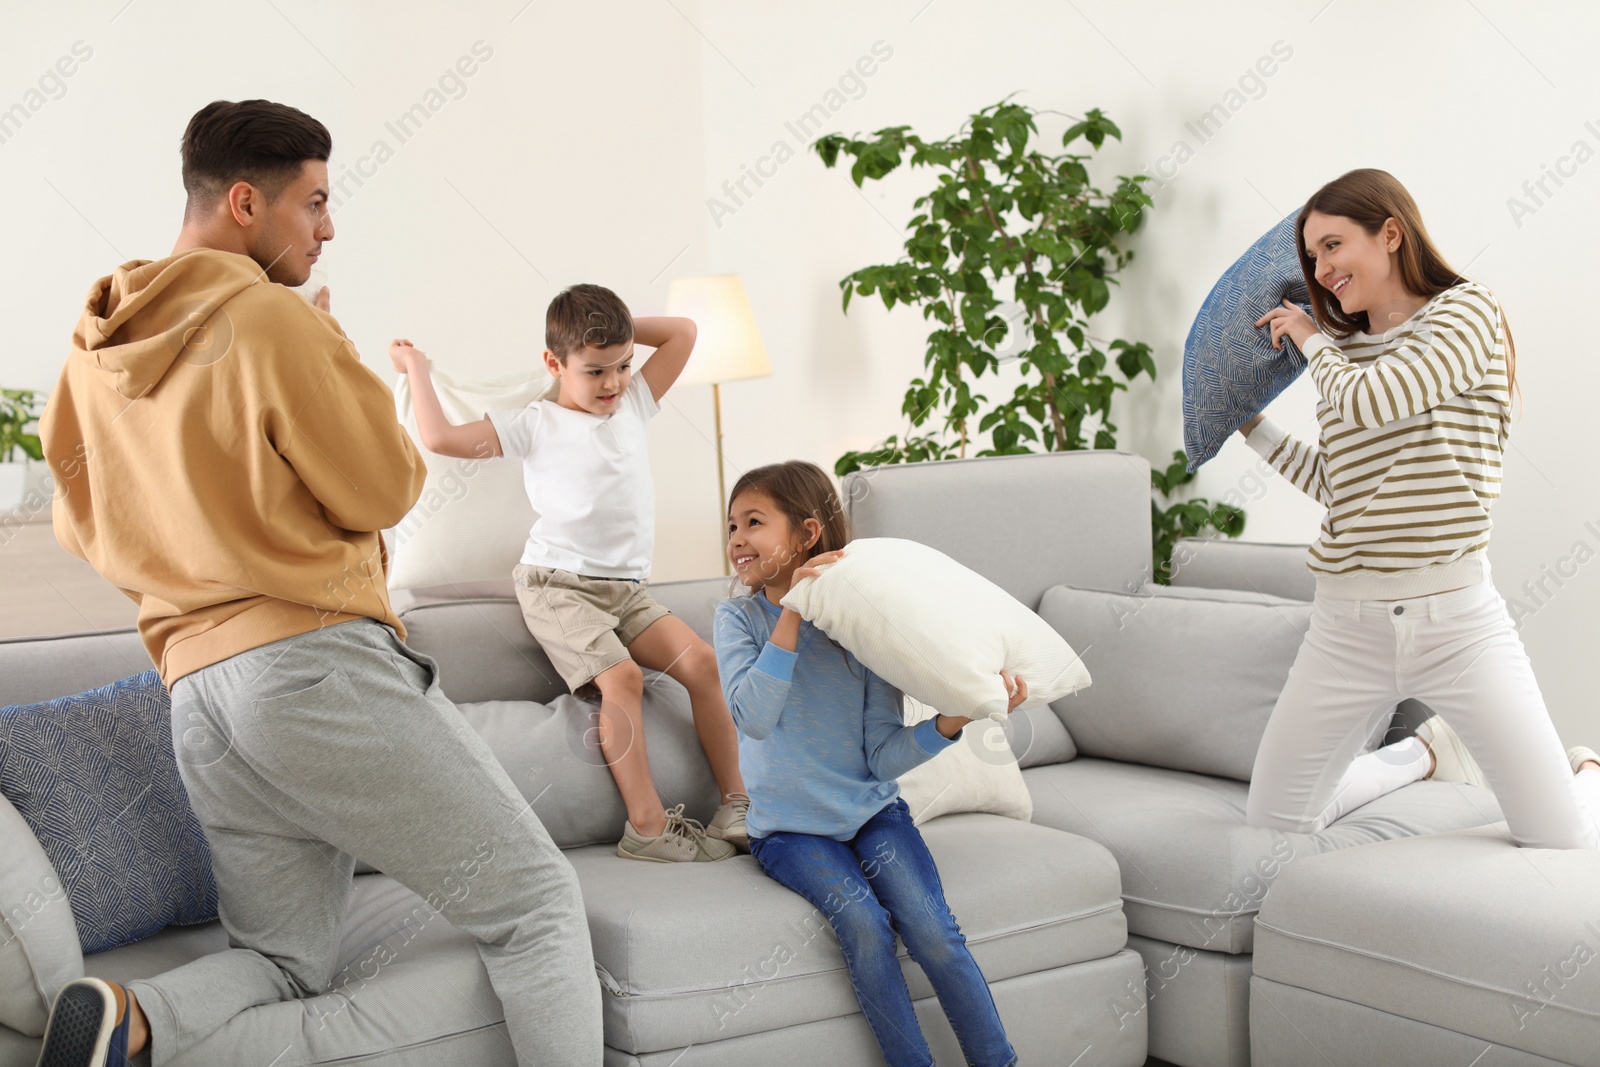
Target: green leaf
1000, 220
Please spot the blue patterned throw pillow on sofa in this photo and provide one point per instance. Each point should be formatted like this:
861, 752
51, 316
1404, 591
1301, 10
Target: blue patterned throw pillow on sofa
94, 777
1230, 369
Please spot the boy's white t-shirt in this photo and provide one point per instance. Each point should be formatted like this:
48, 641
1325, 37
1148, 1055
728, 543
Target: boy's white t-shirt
588, 479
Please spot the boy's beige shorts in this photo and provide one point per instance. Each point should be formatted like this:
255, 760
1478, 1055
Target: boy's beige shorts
584, 624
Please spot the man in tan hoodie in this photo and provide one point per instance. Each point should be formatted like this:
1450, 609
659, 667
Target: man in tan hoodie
225, 459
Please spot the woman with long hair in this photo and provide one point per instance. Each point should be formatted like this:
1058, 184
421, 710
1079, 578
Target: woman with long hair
1415, 368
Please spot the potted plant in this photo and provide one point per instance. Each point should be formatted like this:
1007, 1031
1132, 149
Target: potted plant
1010, 255
19, 409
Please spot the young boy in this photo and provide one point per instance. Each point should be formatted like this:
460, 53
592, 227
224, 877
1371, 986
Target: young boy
582, 579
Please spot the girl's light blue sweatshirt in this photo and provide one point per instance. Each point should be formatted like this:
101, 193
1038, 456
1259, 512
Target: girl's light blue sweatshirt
821, 738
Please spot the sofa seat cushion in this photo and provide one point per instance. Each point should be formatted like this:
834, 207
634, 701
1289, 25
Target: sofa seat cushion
1462, 931
408, 983
694, 953
1192, 872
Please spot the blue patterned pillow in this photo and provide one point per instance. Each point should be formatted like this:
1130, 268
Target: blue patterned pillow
1230, 369
95, 778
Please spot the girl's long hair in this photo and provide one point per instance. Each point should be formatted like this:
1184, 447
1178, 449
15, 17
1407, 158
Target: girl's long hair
801, 491
1371, 197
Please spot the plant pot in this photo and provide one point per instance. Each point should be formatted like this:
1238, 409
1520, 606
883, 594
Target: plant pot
13, 485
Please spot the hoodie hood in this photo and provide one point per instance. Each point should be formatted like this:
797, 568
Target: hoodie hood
149, 313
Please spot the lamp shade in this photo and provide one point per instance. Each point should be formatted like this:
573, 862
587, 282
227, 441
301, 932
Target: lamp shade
728, 345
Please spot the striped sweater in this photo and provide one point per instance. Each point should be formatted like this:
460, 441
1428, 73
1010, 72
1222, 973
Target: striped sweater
1413, 422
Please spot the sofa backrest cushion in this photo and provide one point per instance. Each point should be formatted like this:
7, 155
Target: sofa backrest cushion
35, 669
485, 651
1025, 523
1249, 566
1183, 678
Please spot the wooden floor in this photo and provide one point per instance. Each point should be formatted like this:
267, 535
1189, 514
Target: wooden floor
46, 590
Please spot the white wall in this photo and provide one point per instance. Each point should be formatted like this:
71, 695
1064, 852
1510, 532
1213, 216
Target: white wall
573, 153
595, 136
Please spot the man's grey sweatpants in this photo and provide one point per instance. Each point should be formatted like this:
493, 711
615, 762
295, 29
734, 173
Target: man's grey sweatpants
305, 753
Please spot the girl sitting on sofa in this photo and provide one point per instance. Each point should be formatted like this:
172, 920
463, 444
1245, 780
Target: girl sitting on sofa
1414, 367
821, 743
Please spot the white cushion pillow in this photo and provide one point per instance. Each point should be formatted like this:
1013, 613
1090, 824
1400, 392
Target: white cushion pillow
473, 517
977, 773
938, 631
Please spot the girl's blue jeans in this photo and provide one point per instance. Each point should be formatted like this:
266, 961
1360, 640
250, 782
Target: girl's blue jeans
880, 883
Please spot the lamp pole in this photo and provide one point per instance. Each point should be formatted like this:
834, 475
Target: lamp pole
722, 488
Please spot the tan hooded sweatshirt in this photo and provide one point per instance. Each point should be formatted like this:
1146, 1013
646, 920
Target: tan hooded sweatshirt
223, 457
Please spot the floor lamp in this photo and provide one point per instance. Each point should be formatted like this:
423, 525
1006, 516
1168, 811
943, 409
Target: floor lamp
728, 349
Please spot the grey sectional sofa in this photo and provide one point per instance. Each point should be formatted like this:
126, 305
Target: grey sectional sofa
1117, 924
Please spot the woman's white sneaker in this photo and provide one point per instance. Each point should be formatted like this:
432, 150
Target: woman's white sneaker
1578, 755
1452, 761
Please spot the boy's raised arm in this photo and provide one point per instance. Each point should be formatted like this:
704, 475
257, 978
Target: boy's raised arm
472, 440
673, 340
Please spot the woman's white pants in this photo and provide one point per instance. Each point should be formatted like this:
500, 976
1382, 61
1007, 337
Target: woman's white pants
1457, 652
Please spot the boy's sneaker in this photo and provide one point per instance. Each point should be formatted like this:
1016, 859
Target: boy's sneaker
728, 823
88, 1026
683, 841
1452, 761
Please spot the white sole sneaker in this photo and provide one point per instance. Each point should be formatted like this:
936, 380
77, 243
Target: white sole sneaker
88, 1026
1578, 755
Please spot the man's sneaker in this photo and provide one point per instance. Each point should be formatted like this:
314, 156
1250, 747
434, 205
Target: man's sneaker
1578, 755
683, 841
88, 1026
1452, 761
728, 823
